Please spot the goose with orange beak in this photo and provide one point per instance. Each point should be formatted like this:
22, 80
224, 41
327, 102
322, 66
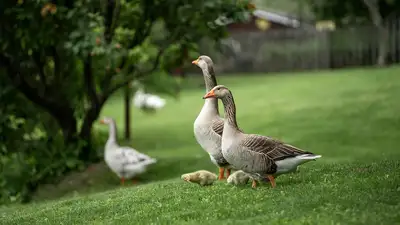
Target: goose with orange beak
208, 125
124, 161
260, 156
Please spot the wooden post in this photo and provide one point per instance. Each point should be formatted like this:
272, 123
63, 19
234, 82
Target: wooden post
127, 104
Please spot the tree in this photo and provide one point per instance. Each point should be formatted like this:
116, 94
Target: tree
377, 12
377, 20
68, 57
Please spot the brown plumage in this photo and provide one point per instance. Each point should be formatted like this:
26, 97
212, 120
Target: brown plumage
260, 156
274, 149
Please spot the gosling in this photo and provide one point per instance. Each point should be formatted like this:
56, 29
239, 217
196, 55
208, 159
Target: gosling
201, 177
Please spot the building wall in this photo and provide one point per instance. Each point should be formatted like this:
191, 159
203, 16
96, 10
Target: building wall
251, 26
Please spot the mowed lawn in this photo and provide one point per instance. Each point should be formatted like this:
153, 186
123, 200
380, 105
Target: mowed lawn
350, 117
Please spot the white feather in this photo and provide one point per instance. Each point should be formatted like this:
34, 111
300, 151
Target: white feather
143, 100
126, 161
123, 160
290, 164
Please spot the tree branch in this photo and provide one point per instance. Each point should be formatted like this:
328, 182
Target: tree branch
53, 107
56, 60
88, 80
40, 67
383, 34
141, 34
108, 21
133, 69
373, 9
138, 39
138, 74
117, 12
142, 31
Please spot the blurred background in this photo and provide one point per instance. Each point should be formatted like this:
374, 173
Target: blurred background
65, 64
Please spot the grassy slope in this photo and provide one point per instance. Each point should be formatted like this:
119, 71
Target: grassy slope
350, 117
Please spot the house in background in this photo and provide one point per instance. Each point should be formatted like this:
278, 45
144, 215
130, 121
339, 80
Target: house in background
263, 32
237, 52
265, 20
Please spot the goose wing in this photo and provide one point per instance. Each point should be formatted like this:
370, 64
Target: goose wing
129, 155
218, 126
274, 149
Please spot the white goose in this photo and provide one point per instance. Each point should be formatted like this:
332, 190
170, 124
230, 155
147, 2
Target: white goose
126, 162
146, 102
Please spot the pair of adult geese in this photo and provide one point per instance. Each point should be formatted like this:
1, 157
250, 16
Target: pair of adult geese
261, 157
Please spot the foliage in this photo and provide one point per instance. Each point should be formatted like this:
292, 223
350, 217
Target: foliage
350, 117
29, 147
352, 11
349, 13
68, 57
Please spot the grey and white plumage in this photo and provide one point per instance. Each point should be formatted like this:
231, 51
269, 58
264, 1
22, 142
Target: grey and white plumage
258, 155
208, 126
124, 161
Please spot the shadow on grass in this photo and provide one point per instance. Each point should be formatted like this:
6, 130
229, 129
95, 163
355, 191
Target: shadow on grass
101, 178
170, 168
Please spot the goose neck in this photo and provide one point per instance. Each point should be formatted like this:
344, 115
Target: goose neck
209, 78
230, 111
210, 82
112, 134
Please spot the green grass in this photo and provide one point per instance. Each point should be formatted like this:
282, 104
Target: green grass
351, 117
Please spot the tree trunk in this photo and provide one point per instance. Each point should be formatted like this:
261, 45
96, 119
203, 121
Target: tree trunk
383, 40
127, 105
85, 133
68, 125
383, 33
60, 109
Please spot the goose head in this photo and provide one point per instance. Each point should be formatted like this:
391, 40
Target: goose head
203, 62
107, 120
219, 91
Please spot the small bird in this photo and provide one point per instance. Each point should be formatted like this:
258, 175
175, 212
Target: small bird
238, 178
259, 156
202, 177
241, 178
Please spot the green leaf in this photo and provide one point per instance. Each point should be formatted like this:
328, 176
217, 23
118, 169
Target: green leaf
71, 163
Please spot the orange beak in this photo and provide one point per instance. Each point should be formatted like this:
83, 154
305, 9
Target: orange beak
102, 122
210, 94
195, 62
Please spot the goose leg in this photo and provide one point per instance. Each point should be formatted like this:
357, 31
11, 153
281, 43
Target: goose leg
221, 173
254, 184
272, 180
228, 173
122, 180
